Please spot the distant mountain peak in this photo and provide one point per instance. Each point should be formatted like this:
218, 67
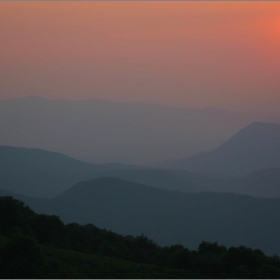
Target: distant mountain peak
261, 126
253, 148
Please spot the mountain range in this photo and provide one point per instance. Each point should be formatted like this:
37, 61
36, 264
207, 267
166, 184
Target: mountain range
101, 131
40, 173
219, 201
248, 163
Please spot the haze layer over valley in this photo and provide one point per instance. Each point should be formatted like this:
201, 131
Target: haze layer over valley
101, 131
146, 126
247, 163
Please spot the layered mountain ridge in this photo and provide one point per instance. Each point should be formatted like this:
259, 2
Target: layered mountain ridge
168, 217
100, 131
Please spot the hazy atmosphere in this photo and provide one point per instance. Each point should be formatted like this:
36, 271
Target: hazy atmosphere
180, 54
139, 140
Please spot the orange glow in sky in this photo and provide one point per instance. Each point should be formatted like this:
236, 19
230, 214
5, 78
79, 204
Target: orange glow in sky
190, 54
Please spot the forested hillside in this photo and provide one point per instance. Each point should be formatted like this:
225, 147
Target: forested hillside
42, 246
169, 217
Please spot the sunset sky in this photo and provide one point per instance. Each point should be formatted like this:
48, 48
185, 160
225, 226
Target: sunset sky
182, 54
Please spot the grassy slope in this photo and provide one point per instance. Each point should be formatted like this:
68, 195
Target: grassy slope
73, 265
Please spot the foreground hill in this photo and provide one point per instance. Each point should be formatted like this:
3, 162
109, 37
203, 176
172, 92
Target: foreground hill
253, 148
57, 263
169, 217
41, 246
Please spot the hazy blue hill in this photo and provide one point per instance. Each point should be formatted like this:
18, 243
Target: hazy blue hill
39, 173
120, 166
263, 183
162, 179
253, 148
170, 217
208, 183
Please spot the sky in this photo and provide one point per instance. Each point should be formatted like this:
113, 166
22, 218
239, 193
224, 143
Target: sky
181, 54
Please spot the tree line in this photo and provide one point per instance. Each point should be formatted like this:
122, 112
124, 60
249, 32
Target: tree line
23, 233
